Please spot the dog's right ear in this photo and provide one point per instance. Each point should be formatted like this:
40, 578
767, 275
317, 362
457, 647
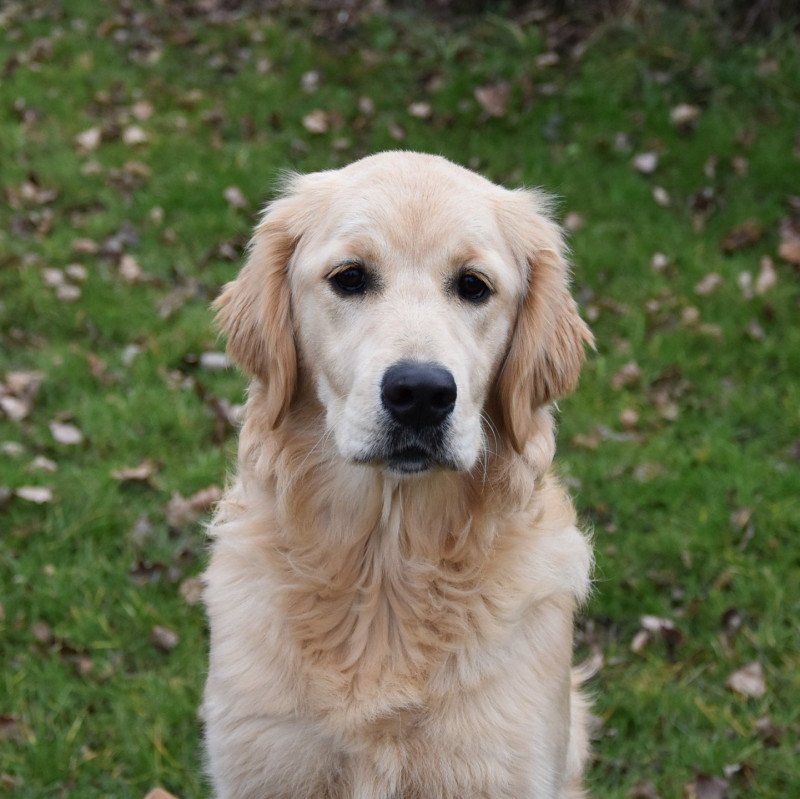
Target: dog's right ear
254, 311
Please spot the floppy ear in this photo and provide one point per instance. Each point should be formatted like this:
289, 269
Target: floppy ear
547, 346
254, 311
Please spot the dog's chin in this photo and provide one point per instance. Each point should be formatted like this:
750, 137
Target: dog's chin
408, 461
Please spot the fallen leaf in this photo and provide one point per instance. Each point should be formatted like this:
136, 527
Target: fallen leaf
89, 140
493, 98
317, 121
164, 638
142, 531
767, 276
574, 221
235, 198
129, 269
36, 494
160, 793
141, 473
366, 106
191, 589
396, 131
661, 196
76, 272
659, 262
645, 163
65, 433
643, 790
768, 731
789, 251
42, 632
709, 284
628, 375
42, 464
420, 110
142, 110
185, 510
705, 787
134, 135
684, 116
309, 82
68, 293
215, 361
14, 408
746, 234
748, 681
745, 283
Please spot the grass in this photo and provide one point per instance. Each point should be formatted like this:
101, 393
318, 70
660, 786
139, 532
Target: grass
89, 705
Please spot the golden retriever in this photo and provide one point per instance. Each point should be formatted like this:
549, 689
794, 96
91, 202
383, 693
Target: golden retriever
394, 569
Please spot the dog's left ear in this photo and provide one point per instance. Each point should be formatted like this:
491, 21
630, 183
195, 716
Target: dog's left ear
254, 311
547, 347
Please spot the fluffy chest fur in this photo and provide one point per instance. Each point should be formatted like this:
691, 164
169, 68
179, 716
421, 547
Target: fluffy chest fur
383, 592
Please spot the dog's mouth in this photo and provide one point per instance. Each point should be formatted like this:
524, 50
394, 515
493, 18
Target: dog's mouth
410, 460
407, 459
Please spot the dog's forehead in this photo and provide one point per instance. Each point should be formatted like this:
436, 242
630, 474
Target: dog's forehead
416, 207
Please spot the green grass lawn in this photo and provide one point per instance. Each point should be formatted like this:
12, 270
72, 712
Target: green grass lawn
137, 143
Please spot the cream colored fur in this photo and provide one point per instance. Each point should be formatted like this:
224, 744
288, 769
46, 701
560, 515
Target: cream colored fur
374, 635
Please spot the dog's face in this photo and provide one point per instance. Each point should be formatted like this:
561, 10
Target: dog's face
418, 300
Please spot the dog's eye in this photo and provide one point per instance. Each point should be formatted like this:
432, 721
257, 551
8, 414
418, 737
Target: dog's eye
352, 280
471, 287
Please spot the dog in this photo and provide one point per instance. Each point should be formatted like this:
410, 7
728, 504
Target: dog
394, 569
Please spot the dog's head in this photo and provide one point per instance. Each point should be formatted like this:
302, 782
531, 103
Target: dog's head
419, 302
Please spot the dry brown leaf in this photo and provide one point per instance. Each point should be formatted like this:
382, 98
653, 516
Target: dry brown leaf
142, 110
396, 131
68, 293
160, 793
789, 251
215, 361
661, 196
709, 284
14, 408
684, 116
643, 790
191, 589
89, 140
182, 510
659, 262
36, 494
746, 234
767, 276
574, 221
420, 110
628, 375
164, 638
129, 269
705, 787
235, 198
133, 136
748, 681
317, 121
65, 433
42, 464
646, 163
493, 98
141, 473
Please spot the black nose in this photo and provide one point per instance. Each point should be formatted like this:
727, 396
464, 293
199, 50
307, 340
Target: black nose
418, 394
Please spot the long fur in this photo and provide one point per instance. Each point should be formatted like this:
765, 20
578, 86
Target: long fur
374, 637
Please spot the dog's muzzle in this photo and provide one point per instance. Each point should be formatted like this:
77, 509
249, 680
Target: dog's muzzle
418, 398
